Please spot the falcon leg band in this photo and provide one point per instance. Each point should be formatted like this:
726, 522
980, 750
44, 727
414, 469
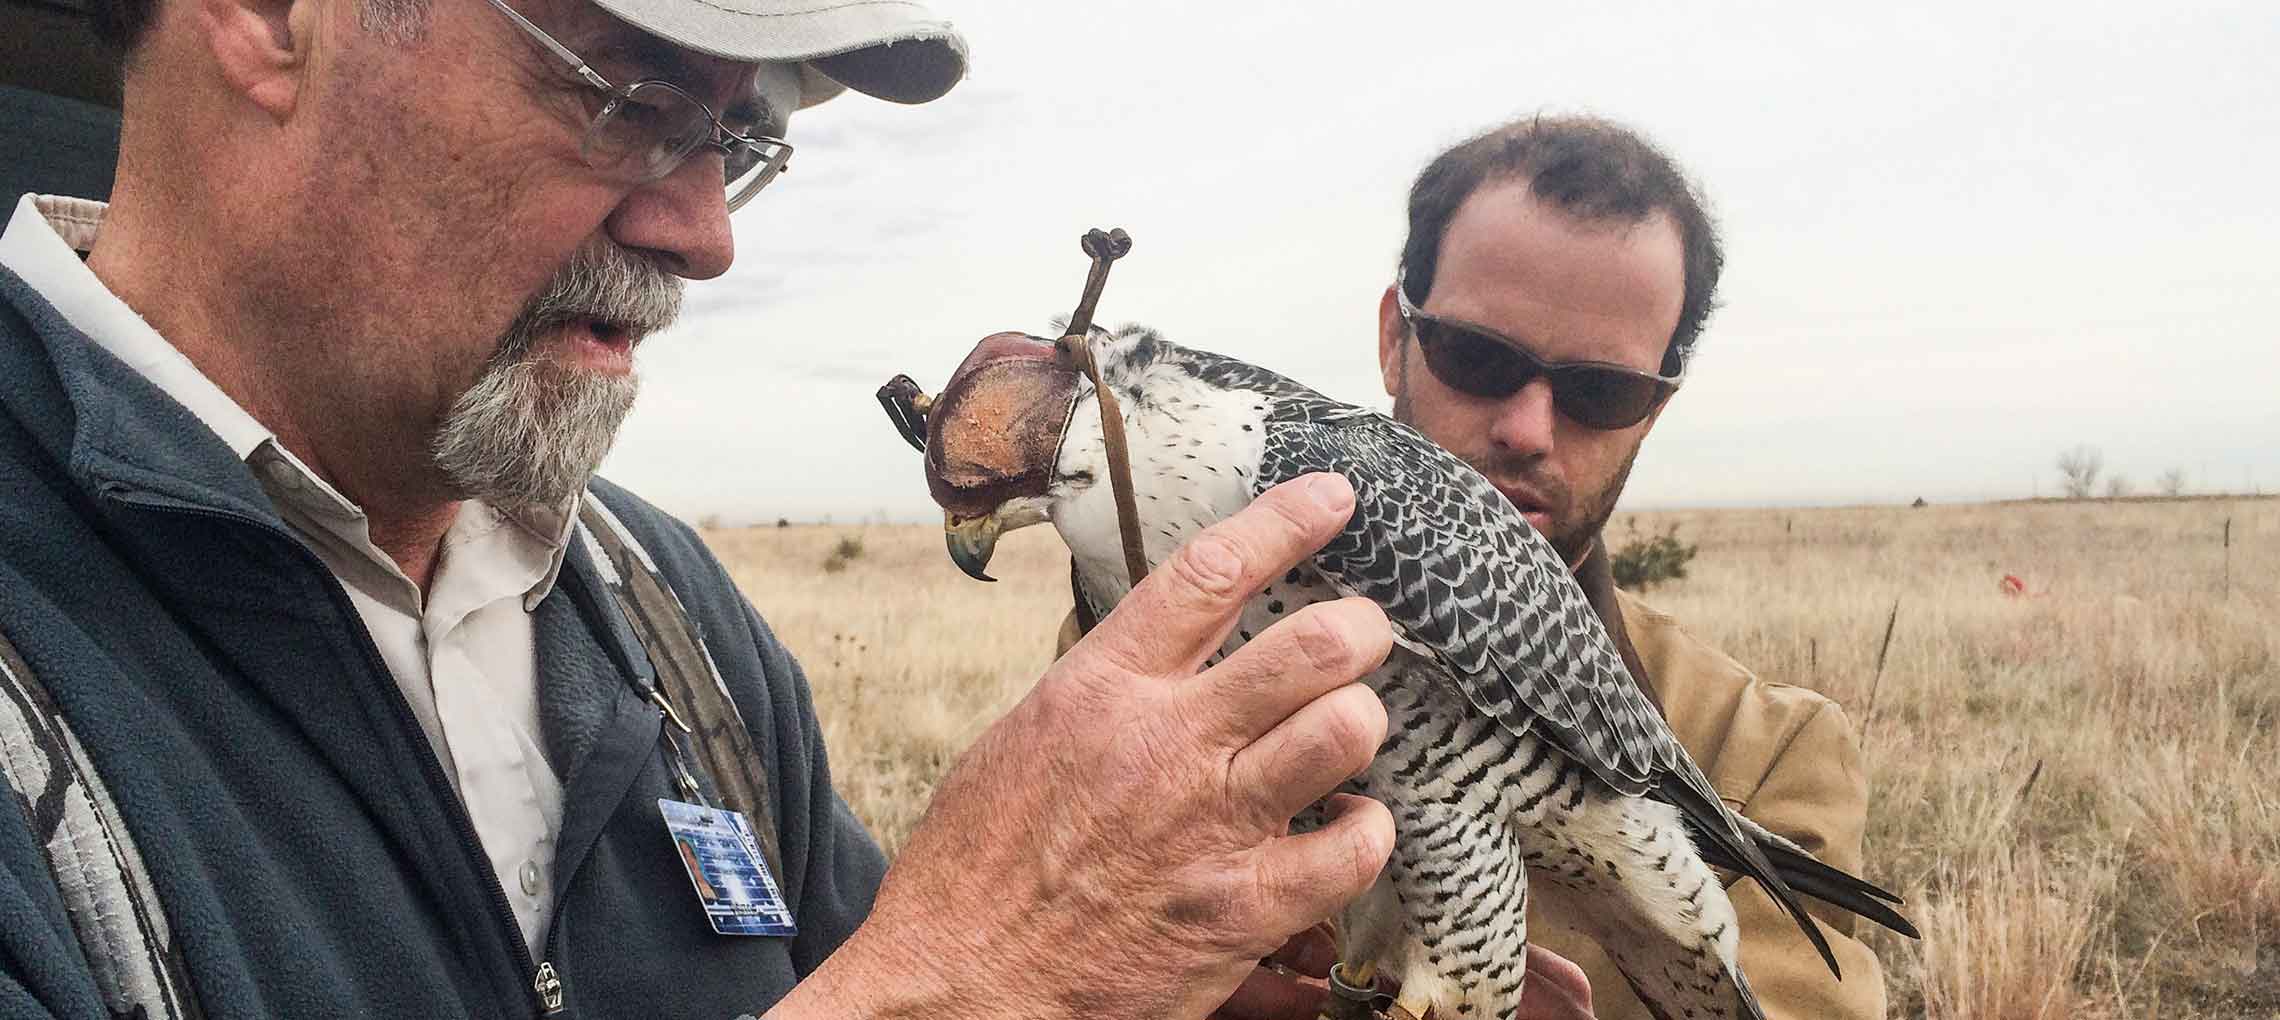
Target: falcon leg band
1350, 1001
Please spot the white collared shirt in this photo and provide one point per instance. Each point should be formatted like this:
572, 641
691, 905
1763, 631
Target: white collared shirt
463, 652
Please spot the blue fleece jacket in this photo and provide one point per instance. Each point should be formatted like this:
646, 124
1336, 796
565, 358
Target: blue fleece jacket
311, 855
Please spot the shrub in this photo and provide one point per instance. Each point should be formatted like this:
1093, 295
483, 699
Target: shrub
1644, 564
849, 549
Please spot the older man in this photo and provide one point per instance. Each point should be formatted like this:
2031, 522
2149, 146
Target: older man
1556, 277
293, 436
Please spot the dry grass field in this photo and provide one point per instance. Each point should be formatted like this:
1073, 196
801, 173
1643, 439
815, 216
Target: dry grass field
2077, 788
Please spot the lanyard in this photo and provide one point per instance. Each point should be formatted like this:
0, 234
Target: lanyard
702, 731
673, 735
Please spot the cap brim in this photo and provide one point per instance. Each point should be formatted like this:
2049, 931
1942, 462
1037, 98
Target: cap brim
892, 49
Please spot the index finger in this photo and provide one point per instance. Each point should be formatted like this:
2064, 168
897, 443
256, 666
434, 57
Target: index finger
1184, 608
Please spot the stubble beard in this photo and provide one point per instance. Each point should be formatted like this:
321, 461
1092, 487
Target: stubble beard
532, 428
1576, 523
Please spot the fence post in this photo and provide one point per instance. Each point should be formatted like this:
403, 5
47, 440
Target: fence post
2228, 558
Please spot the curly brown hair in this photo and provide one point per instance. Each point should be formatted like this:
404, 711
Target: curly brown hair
1591, 168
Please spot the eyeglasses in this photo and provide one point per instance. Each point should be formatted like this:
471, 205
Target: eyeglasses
645, 130
1594, 394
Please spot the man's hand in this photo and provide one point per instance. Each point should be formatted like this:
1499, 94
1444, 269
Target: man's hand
1118, 845
1294, 986
1555, 988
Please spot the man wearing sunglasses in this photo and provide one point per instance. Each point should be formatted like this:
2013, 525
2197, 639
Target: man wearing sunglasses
295, 436
1555, 280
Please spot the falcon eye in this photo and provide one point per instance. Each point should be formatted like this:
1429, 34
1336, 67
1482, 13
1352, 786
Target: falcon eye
1078, 477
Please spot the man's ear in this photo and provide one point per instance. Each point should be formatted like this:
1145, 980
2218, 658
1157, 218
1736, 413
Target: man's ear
1391, 334
261, 46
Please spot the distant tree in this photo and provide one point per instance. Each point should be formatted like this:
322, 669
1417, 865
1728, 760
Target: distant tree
2118, 486
709, 522
2172, 482
2078, 471
783, 522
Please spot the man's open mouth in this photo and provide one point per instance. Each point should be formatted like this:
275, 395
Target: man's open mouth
603, 344
609, 331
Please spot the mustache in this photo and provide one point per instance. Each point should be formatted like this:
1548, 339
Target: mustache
604, 282
1525, 472
1504, 468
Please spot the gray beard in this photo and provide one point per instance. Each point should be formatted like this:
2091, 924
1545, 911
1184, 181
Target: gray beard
530, 431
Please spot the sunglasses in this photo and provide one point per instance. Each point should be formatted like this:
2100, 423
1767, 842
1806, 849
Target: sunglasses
1472, 360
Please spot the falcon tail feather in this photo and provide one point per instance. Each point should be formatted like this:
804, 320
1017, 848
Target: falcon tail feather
1719, 838
1807, 874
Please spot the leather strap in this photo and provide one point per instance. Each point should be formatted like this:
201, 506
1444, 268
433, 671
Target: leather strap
1104, 247
687, 678
1079, 346
99, 875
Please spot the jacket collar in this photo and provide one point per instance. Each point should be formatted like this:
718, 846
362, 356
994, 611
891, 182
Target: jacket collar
131, 440
1597, 576
125, 436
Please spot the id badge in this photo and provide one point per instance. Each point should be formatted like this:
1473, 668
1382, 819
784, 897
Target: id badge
723, 860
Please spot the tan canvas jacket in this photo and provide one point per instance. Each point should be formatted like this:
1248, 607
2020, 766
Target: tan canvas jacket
1784, 756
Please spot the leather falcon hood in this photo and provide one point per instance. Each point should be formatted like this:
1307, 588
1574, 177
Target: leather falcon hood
995, 430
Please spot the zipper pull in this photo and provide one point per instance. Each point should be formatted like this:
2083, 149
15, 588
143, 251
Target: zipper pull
548, 985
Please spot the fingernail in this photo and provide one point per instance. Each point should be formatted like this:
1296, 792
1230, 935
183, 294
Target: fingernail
1330, 491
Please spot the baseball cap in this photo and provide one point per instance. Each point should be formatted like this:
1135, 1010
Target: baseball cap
896, 50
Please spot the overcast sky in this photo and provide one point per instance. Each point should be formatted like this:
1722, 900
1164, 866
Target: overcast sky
1961, 236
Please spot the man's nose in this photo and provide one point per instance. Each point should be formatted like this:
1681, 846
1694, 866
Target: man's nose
680, 219
1526, 420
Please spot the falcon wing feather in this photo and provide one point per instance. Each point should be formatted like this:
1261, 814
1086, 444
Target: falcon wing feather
1467, 581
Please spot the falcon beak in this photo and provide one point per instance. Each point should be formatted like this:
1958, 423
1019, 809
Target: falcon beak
971, 541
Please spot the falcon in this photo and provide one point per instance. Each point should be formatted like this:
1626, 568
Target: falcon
1520, 758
